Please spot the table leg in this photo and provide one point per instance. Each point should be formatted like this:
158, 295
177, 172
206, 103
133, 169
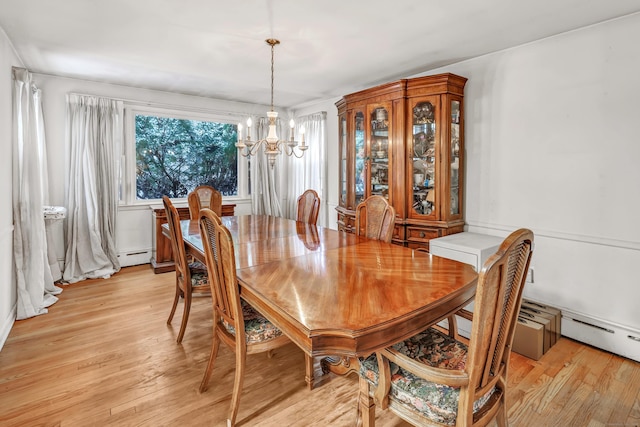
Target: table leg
366, 406
309, 376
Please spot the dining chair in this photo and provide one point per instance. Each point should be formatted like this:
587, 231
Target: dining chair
375, 218
191, 277
432, 379
308, 207
235, 323
204, 196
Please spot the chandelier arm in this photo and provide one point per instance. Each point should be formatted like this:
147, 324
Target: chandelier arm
279, 147
255, 147
293, 151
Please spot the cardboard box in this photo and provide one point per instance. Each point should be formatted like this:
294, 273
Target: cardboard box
546, 309
545, 322
528, 339
553, 333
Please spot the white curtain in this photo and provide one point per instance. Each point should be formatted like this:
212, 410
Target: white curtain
264, 179
94, 140
30, 189
308, 172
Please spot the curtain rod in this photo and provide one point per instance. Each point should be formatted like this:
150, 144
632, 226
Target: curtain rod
135, 102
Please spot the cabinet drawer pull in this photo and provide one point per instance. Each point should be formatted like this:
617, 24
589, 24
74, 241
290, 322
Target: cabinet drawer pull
422, 234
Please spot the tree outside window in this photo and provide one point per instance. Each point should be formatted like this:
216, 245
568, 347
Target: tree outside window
173, 156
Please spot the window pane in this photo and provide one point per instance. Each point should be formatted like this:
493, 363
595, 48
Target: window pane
173, 156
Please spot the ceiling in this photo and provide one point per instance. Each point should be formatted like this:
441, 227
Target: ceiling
328, 48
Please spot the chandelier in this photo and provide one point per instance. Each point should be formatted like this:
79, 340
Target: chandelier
272, 144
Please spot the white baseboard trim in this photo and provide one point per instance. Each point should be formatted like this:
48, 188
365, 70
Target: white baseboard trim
609, 336
7, 324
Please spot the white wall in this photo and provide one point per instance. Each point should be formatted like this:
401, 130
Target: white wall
553, 144
8, 59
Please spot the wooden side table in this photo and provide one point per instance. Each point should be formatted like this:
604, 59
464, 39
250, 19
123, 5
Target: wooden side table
162, 256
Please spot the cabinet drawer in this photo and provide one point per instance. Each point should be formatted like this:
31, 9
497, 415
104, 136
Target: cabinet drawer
421, 234
398, 232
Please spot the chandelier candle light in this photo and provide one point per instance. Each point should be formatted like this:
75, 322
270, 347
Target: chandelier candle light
272, 144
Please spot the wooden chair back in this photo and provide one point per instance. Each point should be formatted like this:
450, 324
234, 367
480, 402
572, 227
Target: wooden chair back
498, 298
204, 196
221, 264
190, 277
183, 274
308, 207
375, 218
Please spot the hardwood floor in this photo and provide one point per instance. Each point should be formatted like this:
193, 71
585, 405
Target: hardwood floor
105, 356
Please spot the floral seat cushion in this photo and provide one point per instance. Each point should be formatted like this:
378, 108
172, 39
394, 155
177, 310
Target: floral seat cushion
435, 401
256, 327
198, 274
197, 267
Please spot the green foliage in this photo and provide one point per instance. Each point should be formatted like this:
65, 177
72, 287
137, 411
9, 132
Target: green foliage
173, 156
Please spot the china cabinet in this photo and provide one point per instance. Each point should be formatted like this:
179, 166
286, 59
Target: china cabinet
405, 141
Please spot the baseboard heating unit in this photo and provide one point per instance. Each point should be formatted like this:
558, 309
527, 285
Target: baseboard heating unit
599, 333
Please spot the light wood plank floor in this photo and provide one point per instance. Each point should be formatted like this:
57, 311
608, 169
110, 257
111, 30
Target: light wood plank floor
105, 356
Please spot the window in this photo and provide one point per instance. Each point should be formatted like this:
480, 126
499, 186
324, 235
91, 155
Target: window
174, 154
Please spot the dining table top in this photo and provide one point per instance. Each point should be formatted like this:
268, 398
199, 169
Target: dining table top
335, 293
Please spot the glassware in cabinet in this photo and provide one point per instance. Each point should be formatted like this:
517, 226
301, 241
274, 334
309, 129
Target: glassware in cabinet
423, 157
360, 157
379, 151
454, 146
343, 161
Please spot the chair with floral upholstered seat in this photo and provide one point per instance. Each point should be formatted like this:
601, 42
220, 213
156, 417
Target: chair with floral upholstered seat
235, 323
204, 196
432, 379
191, 277
375, 218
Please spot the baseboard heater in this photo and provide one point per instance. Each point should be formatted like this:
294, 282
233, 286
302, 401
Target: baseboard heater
128, 259
600, 333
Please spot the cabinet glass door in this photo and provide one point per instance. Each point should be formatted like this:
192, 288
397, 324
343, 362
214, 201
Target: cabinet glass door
423, 178
454, 195
360, 157
343, 161
379, 152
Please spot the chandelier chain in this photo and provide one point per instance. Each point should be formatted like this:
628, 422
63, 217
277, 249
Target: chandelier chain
272, 43
272, 49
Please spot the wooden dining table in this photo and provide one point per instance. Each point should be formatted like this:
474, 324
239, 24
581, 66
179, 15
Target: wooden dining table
334, 293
